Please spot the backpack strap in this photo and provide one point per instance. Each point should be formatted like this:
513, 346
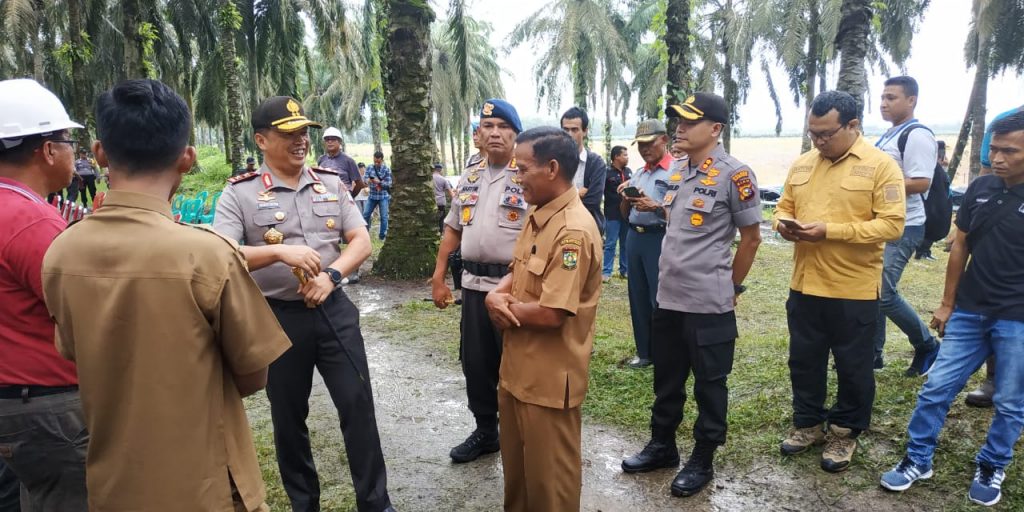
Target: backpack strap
901, 143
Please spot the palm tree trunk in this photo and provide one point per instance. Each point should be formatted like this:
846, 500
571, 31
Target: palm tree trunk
677, 41
229, 21
608, 125
579, 81
961, 140
252, 59
131, 20
455, 156
775, 98
80, 101
731, 91
412, 241
852, 41
376, 130
979, 95
811, 63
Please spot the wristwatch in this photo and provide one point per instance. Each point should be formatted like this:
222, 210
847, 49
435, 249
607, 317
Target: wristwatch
738, 288
334, 275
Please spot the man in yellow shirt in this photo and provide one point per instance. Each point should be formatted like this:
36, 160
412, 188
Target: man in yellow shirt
841, 202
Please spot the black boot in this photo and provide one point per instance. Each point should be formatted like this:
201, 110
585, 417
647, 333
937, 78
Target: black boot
697, 472
660, 452
480, 442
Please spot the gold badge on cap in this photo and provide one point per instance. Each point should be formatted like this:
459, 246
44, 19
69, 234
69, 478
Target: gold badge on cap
330, 223
279, 216
273, 236
691, 99
488, 109
319, 188
293, 107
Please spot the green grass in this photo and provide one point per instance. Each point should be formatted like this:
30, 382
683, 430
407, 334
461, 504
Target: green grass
760, 396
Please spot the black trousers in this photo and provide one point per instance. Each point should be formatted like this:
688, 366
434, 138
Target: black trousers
315, 342
480, 352
844, 327
691, 342
442, 212
10, 490
88, 188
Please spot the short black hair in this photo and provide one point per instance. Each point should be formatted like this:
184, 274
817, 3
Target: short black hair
378, 154
550, 143
847, 106
576, 113
618, 150
143, 125
22, 153
360, 164
908, 84
1009, 124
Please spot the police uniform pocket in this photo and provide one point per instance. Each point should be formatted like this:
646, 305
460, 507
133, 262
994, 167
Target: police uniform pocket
267, 218
511, 217
715, 347
326, 219
332, 209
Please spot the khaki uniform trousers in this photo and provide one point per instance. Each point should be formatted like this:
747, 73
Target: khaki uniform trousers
540, 455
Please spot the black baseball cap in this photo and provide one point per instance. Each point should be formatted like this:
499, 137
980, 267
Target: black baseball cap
282, 113
701, 106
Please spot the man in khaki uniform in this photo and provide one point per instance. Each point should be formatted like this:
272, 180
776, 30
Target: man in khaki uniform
841, 202
487, 214
292, 220
546, 307
165, 324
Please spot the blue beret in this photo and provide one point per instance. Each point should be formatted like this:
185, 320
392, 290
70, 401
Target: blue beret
502, 110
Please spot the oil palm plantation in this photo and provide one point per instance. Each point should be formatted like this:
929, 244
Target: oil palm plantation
579, 37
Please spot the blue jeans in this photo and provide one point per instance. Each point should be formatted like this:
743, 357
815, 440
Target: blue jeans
368, 212
892, 304
615, 234
970, 339
643, 251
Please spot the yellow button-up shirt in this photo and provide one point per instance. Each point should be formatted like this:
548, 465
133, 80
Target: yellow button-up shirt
861, 199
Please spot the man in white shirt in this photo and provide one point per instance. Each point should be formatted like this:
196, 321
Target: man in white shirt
913, 147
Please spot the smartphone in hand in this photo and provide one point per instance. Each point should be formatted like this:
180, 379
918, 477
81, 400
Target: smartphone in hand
631, 192
791, 224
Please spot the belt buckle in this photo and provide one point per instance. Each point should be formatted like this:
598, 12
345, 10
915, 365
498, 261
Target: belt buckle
640, 229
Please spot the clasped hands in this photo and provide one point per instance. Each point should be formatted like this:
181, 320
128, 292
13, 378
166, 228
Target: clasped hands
498, 308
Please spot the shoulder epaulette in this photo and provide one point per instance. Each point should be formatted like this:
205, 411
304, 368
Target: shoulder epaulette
242, 177
324, 169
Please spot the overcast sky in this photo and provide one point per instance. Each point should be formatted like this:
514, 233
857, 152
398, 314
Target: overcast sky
936, 62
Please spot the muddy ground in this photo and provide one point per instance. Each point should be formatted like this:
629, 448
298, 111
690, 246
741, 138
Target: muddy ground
420, 398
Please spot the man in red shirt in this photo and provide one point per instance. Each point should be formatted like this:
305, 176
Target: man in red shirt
42, 432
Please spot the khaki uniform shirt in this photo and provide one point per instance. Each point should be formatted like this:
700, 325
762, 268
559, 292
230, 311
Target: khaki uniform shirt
159, 316
557, 265
489, 210
705, 203
315, 214
861, 198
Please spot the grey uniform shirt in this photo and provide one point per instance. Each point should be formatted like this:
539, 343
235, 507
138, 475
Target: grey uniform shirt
705, 204
441, 188
489, 210
84, 167
316, 214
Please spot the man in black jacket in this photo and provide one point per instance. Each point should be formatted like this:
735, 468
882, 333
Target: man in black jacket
590, 174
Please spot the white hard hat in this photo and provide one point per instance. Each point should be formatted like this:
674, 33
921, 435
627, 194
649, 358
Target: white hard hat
27, 108
332, 132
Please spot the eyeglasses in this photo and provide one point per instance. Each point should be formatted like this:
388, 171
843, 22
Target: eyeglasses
826, 136
74, 143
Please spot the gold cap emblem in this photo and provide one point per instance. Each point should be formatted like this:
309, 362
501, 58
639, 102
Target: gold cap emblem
293, 107
487, 110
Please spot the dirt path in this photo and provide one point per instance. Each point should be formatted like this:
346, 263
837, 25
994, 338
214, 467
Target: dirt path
420, 400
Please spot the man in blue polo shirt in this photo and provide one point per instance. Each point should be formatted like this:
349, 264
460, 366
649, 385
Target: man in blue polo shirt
982, 314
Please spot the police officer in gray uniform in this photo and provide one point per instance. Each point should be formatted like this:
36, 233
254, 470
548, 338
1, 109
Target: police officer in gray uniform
694, 326
290, 220
487, 215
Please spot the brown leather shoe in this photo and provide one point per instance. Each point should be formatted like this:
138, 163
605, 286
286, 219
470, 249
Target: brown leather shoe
839, 448
800, 439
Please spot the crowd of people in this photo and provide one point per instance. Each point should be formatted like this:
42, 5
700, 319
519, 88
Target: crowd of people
132, 339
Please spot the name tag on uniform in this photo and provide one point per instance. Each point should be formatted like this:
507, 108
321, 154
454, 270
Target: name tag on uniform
267, 206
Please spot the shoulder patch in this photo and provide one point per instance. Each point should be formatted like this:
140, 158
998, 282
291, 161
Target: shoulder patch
242, 177
324, 170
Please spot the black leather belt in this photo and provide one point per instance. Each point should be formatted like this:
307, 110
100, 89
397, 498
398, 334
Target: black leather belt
655, 228
23, 392
485, 269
